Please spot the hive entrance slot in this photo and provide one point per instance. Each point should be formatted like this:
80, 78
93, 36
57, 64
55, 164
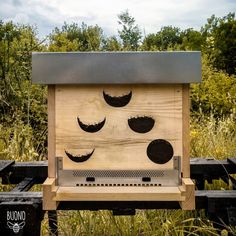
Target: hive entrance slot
160, 151
91, 128
90, 179
146, 179
119, 101
141, 124
79, 158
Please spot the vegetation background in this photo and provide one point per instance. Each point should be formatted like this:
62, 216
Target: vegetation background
23, 114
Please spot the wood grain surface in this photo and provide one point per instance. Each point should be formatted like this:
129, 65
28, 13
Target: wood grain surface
116, 145
119, 194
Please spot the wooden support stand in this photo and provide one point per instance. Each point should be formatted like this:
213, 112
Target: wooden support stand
49, 193
184, 194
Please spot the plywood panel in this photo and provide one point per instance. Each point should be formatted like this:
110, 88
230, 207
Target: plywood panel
116, 145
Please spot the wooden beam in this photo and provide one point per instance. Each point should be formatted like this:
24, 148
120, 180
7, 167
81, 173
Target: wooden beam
188, 190
51, 132
186, 131
49, 192
118, 194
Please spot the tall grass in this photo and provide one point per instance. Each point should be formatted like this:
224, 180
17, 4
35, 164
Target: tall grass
210, 137
16, 143
145, 222
213, 137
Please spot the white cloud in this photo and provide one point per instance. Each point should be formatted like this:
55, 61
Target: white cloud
19, 17
150, 14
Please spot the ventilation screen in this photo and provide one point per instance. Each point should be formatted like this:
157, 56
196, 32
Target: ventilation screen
118, 173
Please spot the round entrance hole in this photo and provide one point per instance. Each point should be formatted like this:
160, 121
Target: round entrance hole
160, 151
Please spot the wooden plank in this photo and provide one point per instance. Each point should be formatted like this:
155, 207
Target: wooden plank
118, 194
188, 191
49, 192
116, 145
51, 132
186, 132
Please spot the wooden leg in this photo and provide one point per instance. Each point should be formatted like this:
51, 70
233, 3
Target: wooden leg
49, 192
189, 193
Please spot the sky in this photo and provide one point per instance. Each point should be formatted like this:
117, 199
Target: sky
150, 15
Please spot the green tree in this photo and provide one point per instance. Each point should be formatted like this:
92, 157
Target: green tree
192, 40
20, 101
167, 37
150, 43
220, 38
215, 95
72, 37
130, 33
111, 44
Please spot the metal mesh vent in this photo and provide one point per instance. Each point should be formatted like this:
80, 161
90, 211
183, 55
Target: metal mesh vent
119, 173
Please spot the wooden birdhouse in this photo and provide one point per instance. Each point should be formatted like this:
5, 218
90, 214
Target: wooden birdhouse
118, 125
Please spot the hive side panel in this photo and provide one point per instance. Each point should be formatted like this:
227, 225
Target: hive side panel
186, 132
51, 131
116, 146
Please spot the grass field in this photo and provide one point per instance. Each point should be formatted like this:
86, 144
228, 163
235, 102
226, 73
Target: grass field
210, 137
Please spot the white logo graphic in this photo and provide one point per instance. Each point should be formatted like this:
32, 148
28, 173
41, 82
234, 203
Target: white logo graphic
12, 217
15, 227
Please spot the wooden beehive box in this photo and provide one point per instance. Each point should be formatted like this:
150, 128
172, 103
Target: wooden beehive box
118, 125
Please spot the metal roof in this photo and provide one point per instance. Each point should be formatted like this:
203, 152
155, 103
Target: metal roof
116, 67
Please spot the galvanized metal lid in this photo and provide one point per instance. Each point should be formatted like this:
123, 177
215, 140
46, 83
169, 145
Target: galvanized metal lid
116, 67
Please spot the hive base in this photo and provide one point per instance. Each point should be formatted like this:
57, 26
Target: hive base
53, 194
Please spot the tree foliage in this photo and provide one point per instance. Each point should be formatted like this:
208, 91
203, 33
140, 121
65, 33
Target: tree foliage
111, 44
130, 33
191, 40
20, 101
167, 37
72, 37
220, 42
216, 39
216, 94
23, 105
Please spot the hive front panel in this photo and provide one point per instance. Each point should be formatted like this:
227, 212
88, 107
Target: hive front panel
118, 127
